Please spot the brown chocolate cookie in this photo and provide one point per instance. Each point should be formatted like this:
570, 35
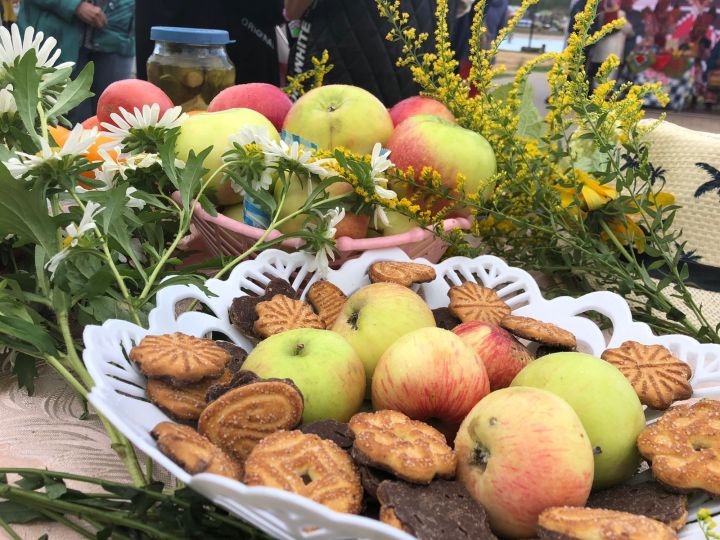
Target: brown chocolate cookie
371, 478
331, 430
242, 310
444, 318
442, 510
648, 499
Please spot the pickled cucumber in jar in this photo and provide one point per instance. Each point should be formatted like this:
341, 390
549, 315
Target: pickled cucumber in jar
187, 68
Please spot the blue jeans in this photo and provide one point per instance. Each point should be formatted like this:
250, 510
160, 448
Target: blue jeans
109, 67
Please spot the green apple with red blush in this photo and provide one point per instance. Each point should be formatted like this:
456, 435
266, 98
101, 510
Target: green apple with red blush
430, 374
521, 450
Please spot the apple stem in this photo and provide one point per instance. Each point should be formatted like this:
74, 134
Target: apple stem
481, 456
299, 348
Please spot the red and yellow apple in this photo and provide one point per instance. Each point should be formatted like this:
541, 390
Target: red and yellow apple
321, 363
429, 141
340, 115
130, 94
605, 402
214, 129
267, 99
430, 374
520, 451
416, 105
503, 355
376, 316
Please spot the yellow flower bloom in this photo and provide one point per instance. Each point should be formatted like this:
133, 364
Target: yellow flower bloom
627, 232
593, 194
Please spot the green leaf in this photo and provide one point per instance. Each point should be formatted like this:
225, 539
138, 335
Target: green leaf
192, 175
74, 93
55, 489
25, 368
530, 122
31, 333
25, 213
56, 77
26, 89
31, 481
126, 492
12, 512
114, 207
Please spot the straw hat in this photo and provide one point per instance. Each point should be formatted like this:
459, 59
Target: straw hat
691, 159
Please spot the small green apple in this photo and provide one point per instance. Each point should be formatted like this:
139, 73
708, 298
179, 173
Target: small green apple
299, 188
214, 129
399, 223
321, 363
236, 212
374, 317
604, 400
340, 115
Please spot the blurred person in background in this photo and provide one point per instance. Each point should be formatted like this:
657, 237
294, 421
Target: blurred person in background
613, 43
353, 33
250, 23
101, 31
8, 12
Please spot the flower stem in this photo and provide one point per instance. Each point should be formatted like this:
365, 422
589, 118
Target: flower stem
8, 529
40, 501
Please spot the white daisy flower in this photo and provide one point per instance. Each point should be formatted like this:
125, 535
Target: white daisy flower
251, 134
73, 234
148, 117
77, 143
321, 262
379, 163
276, 151
133, 202
13, 46
142, 160
7, 101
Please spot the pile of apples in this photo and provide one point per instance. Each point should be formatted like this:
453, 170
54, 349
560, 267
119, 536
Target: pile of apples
418, 131
529, 433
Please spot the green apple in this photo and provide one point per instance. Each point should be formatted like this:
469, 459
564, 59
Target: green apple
374, 317
604, 400
399, 223
340, 115
214, 129
321, 363
236, 212
296, 196
520, 451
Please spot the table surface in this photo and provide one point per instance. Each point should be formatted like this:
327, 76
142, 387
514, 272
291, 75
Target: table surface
44, 431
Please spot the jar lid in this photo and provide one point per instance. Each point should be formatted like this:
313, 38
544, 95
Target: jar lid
190, 36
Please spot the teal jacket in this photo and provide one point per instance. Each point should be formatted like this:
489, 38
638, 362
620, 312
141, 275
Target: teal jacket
57, 18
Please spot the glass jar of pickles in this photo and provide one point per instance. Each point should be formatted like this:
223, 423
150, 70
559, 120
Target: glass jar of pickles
191, 65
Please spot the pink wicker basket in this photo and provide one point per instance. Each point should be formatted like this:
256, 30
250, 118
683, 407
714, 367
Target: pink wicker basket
226, 236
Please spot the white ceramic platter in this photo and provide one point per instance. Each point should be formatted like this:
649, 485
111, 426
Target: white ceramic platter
119, 391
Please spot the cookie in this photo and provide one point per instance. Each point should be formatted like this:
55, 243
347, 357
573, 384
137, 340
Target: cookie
240, 418
658, 377
445, 319
305, 464
648, 499
186, 403
179, 358
327, 300
571, 523
331, 430
282, 313
411, 450
240, 378
193, 452
473, 302
441, 510
371, 478
238, 355
242, 310
683, 447
539, 331
402, 273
